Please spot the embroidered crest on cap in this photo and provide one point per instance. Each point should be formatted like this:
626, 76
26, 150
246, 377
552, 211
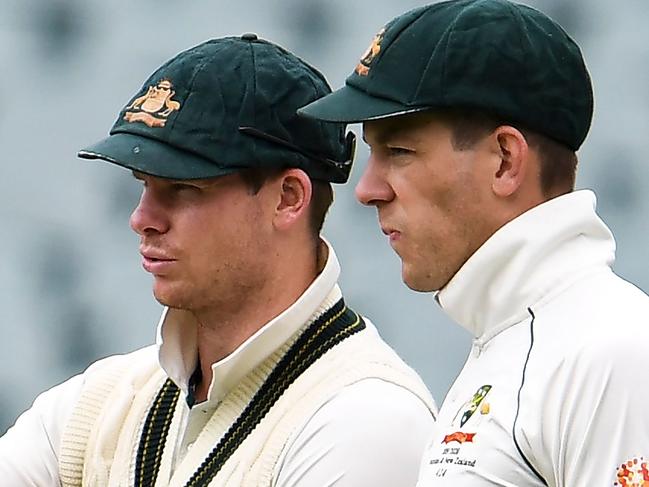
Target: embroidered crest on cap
154, 106
363, 66
633, 473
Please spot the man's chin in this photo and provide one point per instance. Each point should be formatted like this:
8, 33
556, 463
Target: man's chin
418, 283
420, 288
167, 297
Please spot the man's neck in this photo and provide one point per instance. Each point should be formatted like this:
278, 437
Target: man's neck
220, 332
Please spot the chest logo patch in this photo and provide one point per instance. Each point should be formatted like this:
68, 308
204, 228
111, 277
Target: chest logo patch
472, 406
154, 106
633, 473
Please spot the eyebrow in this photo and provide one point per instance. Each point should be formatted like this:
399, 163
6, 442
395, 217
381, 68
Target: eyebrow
387, 133
204, 182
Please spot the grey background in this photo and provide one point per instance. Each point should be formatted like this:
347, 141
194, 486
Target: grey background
71, 285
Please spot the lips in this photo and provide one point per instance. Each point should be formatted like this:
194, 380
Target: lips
392, 233
156, 261
155, 254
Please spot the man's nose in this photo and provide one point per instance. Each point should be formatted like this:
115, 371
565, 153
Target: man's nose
373, 188
149, 217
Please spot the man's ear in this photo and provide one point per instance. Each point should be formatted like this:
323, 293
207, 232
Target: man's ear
294, 198
514, 161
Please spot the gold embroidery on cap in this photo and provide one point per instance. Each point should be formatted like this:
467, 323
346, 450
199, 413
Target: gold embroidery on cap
155, 106
363, 66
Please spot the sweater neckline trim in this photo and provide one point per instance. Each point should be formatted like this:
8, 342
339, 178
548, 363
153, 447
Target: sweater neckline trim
331, 328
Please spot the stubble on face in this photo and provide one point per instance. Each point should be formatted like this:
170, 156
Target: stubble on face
224, 285
221, 248
452, 231
443, 207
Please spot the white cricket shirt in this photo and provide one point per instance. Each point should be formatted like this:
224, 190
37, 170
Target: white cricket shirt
554, 390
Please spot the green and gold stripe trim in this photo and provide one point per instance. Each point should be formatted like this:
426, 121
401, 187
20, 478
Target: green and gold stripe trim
154, 434
334, 326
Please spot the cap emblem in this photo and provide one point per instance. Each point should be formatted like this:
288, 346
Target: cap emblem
363, 66
154, 107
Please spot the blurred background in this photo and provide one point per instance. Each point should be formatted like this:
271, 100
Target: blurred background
71, 285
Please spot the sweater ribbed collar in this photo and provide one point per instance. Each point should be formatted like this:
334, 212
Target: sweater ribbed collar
526, 262
176, 337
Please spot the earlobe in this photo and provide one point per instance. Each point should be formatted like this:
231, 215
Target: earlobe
513, 150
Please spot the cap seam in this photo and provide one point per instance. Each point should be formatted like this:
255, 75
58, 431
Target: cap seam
190, 89
519, 31
253, 144
321, 128
371, 75
254, 83
451, 30
516, 13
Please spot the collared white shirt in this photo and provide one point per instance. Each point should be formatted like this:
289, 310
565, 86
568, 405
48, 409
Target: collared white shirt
372, 433
551, 393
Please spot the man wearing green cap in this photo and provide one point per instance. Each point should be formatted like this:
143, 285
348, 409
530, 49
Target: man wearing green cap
473, 111
261, 374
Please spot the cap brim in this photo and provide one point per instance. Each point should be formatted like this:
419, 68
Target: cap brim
350, 105
152, 157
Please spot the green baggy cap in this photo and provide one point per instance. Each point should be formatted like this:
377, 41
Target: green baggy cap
226, 105
500, 57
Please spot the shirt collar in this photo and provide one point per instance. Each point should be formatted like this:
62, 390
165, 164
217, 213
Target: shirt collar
527, 261
176, 337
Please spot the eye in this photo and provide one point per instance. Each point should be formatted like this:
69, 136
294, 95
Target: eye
184, 187
399, 151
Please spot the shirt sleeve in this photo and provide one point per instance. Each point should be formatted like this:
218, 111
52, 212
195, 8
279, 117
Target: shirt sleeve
372, 434
29, 449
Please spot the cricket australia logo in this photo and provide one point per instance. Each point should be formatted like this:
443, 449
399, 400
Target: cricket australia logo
154, 106
477, 402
